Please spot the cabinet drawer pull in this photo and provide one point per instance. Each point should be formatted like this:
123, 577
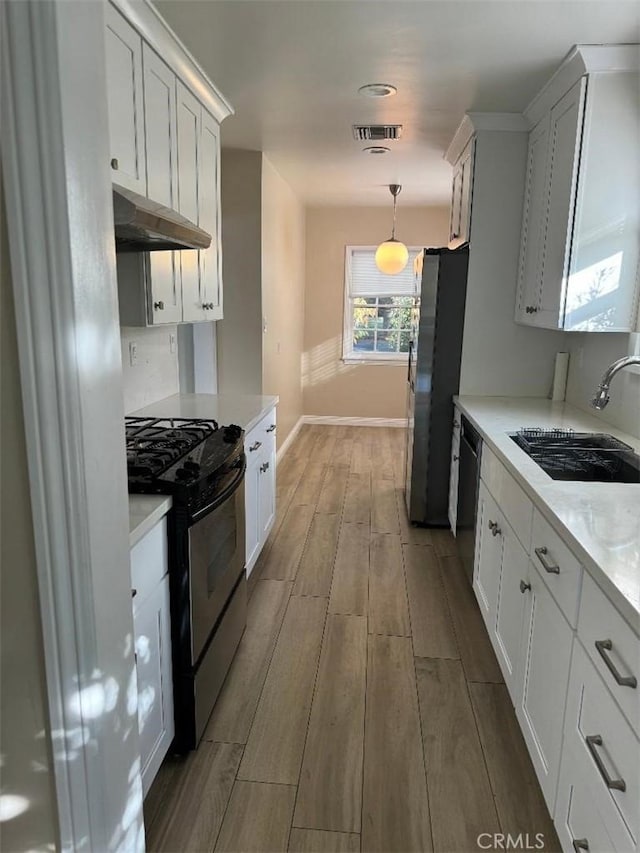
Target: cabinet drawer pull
114, 163
495, 530
592, 742
271, 428
264, 467
455, 457
158, 306
580, 844
492, 525
552, 568
134, 592
524, 587
255, 446
604, 646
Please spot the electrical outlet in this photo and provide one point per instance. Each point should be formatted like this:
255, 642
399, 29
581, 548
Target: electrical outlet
133, 353
172, 342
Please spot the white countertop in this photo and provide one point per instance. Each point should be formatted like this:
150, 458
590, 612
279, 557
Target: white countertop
144, 512
599, 521
245, 410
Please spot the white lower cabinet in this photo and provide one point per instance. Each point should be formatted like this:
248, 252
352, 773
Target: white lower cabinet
152, 641
510, 608
598, 801
260, 486
545, 657
488, 557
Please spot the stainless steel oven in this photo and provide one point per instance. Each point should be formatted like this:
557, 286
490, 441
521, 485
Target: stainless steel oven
209, 601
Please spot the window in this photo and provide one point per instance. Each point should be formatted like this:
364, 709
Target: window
378, 308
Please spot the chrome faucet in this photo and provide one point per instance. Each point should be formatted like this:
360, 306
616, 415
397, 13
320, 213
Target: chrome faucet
601, 397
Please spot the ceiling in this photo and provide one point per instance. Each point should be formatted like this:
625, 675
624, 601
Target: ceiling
292, 68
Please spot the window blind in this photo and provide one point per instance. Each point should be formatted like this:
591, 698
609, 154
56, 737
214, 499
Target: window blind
366, 279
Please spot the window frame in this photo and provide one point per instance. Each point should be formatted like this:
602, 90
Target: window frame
348, 354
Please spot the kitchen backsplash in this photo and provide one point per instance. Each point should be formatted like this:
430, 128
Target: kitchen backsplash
155, 372
591, 354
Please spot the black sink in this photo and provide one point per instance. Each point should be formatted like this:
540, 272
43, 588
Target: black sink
580, 456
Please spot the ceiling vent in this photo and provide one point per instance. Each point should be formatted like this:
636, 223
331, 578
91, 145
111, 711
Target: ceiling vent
376, 132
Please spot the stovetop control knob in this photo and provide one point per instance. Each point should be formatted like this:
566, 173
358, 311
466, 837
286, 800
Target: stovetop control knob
232, 433
192, 466
183, 474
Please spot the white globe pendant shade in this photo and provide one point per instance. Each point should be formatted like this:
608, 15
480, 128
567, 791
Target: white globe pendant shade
391, 257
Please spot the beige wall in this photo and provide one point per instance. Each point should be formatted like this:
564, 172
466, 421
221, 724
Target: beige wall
239, 334
283, 269
330, 386
25, 757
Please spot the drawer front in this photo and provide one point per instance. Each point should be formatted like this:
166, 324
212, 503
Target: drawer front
618, 648
581, 816
149, 562
511, 499
560, 570
262, 436
596, 729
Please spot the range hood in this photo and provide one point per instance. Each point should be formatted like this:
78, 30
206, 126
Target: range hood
142, 225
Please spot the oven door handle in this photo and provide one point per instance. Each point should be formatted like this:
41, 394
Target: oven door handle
233, 486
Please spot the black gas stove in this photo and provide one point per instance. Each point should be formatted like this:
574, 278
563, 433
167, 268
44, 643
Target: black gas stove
189, 459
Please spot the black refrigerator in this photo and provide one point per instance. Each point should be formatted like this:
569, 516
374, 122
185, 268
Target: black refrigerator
433, 378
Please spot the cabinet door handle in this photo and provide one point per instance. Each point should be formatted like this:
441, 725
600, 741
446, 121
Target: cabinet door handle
158, 306
594, 741
114, 163
541, 554
271, 428
580, 844
134, 592
264, 467
604, 646
255, 446
496, 531
531, 309
455, 235
492, 524
524, 587
455, 457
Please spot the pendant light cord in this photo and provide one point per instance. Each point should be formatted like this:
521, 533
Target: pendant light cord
393, 230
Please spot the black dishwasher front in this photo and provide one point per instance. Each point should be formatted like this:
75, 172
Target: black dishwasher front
468, 480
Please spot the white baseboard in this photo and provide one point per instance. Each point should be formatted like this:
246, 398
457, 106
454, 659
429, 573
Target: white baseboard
286, 444
333, 420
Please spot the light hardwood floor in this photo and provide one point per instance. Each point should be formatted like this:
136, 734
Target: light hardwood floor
365, 710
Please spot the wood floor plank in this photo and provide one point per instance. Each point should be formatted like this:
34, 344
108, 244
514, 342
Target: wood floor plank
431, 623
188, 815
477, 656
321, 841
325, 445
284, 556
258, 818
383, 466
409, 534
460, 796
444, 543
361, 455
357, 501
395, 809
330, 787
350, 585
310, 485
343, 451
384, 509
388, 609
519, 800
316, 565
233, 712
334, 487
274, 749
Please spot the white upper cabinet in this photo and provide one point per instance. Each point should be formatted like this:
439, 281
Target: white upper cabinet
165, 144
460, 223
125, 102
580, 238
189, 121
163, 270
210, 220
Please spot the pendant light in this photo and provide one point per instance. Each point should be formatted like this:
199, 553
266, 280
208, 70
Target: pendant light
392, 255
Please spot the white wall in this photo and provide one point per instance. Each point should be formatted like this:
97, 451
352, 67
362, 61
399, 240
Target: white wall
591, 354
24, 723
155, 375
500, 357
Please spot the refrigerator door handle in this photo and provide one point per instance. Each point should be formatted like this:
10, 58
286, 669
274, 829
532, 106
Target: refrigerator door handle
409, 361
